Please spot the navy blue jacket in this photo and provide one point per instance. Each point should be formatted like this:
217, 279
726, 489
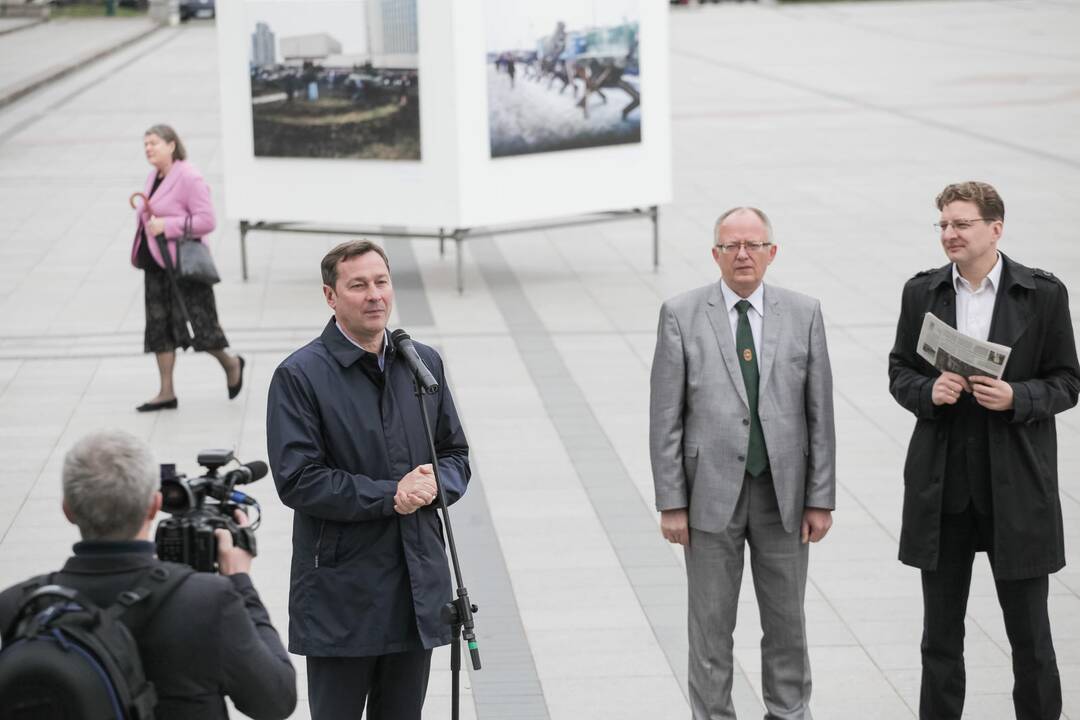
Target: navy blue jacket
365, 580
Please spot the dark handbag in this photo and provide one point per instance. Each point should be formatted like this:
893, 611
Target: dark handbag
193, 260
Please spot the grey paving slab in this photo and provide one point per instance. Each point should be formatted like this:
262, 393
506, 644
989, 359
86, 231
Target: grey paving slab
508, 676
15, 24
45, 52
414, 309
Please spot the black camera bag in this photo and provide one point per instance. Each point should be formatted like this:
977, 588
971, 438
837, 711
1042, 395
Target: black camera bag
68, 659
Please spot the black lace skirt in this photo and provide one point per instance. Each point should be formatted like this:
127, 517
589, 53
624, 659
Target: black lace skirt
165, 323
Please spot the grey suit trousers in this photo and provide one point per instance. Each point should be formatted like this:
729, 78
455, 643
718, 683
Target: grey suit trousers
714, 567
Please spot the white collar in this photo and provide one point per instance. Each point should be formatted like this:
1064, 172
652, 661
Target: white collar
757, 298
992, 279
382, 352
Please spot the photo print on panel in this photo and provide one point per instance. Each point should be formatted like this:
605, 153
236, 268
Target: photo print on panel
562, 74
334, 79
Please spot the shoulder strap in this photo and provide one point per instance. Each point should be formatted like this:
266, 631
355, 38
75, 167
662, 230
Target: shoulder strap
1045, 274
38, 581
136, 606
28, 588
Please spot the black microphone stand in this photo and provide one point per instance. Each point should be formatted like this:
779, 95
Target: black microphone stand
458, 613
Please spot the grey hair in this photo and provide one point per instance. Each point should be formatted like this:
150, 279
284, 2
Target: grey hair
109, 481
743, 208
166, 133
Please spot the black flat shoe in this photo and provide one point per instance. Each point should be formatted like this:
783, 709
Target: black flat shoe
234, 390
155, 406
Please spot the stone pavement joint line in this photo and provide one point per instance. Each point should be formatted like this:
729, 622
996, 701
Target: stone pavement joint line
879, 107
15, 25
508, 677
505, 656
25, 85
409, 295
70, 70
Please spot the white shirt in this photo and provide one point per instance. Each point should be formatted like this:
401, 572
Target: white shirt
975, 305
382, 352
755, 314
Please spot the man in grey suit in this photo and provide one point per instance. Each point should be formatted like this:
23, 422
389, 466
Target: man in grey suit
744, 452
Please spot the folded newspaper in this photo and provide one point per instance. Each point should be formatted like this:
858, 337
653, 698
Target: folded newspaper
949, 350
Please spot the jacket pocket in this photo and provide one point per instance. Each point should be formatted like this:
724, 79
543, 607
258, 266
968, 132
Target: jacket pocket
690, 463
928, 442
319, 555
438, 527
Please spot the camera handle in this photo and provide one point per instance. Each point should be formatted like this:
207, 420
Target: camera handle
456, 613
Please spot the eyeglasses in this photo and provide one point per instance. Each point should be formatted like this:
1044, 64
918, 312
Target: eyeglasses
733, 248
959, 225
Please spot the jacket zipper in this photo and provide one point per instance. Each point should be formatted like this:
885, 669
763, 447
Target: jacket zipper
318, 542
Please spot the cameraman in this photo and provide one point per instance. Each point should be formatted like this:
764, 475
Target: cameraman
211, 637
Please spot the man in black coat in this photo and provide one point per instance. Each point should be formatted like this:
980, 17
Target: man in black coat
212, 636
349, 454
981, 469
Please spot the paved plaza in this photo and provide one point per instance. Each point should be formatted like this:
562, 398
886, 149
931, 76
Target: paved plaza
841, 120
36, 53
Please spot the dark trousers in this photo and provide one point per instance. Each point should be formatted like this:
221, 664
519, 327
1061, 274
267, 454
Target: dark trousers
393, 686
1036, 683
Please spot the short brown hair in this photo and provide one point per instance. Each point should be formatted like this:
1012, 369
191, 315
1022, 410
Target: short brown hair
344, 251
166, 133
985, 197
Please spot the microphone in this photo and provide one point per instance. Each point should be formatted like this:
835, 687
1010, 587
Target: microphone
247, 473
404, 343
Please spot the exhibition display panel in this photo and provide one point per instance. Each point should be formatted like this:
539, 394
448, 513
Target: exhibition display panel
447, 118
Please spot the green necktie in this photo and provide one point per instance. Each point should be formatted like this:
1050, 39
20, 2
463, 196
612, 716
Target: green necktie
757, 460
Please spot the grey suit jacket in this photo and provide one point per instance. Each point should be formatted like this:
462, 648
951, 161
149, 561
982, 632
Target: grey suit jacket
699, 424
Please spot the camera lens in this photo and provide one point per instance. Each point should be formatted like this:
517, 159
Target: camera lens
175, 496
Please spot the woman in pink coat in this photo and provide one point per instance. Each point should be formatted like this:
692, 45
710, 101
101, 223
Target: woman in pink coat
176, 191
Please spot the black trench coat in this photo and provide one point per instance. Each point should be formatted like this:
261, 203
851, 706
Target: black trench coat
1031, 315
365, 580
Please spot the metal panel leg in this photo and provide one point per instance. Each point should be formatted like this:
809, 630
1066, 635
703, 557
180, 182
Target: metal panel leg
442, 242
460, 270
654, 211
243, 249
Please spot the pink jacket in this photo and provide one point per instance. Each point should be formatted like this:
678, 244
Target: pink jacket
183, 192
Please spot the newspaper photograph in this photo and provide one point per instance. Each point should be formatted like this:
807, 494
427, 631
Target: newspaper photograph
949, 350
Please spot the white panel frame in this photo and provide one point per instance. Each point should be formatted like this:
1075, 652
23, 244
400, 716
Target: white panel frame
455, 184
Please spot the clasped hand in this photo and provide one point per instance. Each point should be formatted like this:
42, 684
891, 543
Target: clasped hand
991, 393
415, 490
155, 226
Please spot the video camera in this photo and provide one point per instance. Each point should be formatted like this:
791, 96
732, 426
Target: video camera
203, 504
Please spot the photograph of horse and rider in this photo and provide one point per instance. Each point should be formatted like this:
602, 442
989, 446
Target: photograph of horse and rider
562, 75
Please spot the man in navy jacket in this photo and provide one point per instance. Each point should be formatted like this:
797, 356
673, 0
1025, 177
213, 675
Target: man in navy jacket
349, 454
